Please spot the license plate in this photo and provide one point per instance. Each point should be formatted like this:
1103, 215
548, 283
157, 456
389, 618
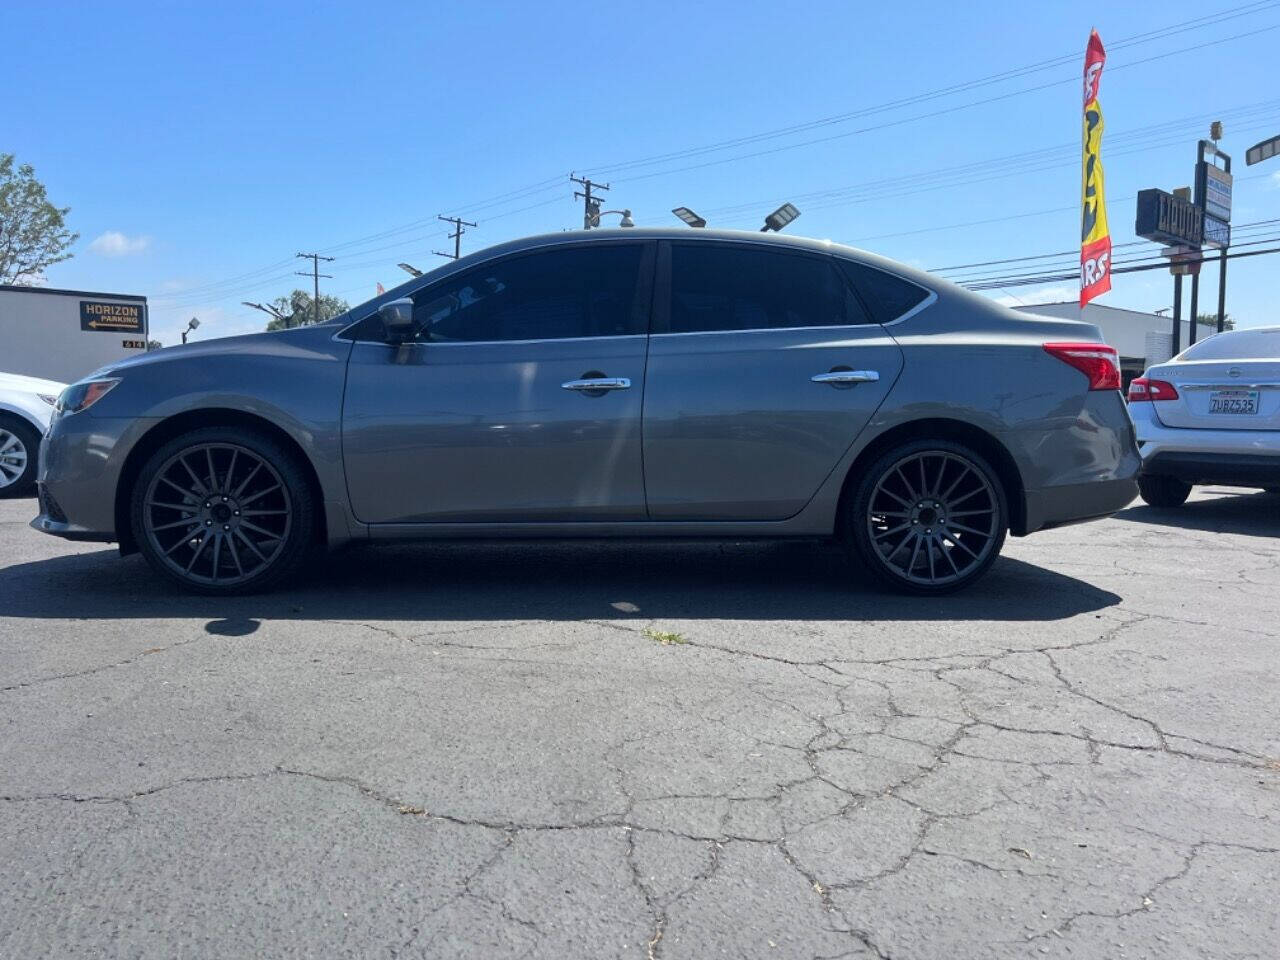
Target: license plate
1234, 402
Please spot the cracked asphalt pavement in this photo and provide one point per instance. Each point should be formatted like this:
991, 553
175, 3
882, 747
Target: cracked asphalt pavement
478, 751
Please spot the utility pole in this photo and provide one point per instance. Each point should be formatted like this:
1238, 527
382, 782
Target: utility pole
315, 275
590, 204
456, 236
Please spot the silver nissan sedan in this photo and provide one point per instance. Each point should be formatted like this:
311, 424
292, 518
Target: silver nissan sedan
617, 383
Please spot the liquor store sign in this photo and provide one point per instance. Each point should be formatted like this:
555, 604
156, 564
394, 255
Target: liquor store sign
111, 316
1170, 220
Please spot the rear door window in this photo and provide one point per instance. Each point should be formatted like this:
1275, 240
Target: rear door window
719, 287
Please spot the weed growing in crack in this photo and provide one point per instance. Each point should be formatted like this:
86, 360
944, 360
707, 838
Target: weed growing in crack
664, 637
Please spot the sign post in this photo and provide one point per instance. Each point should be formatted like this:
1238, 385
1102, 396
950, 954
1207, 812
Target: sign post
1172, 219
1213, 197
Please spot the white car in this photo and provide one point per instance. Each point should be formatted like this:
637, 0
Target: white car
1210, 415
26, 406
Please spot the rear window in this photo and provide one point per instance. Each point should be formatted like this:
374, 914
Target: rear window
886, 296
1236, 345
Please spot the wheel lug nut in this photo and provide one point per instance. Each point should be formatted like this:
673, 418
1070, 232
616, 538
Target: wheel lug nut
225, 527
237, 512
208, 523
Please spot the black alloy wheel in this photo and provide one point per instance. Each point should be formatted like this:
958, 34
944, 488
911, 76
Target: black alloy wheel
223, 510
928, 517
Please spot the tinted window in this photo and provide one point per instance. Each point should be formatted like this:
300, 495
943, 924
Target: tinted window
721, 287
886, 296
579, 292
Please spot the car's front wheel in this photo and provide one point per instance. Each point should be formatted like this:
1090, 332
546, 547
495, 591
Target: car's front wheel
927, 517
19, 447
224, 510
1165, 492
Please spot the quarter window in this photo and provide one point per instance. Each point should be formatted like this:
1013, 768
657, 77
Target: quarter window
555, 294
886, 296
716, 287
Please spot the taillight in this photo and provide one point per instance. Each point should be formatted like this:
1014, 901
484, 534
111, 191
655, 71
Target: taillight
1097, 361
1143, 389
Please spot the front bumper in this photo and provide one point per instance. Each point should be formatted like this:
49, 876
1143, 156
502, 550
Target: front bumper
1246, 458
81, 460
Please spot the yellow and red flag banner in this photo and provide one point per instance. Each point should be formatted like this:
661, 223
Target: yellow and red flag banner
1095, 237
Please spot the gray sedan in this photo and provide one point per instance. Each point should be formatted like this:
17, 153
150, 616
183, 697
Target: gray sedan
631, 383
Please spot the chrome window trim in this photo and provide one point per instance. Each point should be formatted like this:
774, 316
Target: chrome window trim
1238, 385
920, 307
475, 343
721, 333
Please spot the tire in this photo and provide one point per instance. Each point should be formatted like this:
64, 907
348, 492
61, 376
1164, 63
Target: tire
952, 517
191, 505
1164, 492
19, 456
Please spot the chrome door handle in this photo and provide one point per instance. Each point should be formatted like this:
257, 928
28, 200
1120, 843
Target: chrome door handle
598, 383
847, 376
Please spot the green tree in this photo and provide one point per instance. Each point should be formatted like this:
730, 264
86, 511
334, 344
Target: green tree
33, 233
1212, 318
297, 310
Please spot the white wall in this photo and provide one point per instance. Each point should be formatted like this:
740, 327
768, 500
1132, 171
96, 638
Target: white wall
40, 334
1126, 330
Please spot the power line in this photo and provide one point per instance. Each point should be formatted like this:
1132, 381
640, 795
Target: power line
1039, 66
942, 111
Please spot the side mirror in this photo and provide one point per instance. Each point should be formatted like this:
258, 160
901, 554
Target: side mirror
397, 320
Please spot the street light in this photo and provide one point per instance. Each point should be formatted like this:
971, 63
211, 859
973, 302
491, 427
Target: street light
191, 325
269, 310
410, 269
780, 218
625, 214
689, 217
1262, 151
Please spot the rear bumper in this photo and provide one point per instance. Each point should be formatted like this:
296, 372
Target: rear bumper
1196, 455
1229, 469
1078, 503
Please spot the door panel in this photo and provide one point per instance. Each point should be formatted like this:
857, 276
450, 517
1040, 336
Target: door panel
518, 401
736, 429
485, 432
735, 425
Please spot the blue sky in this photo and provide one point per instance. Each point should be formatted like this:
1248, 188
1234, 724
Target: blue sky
201, 145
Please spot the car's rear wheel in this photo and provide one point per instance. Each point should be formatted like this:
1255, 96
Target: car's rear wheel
927, 517
19, 450
1165, 492
224, 510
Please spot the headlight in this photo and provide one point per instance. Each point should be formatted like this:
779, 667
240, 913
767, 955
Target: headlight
83, 395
